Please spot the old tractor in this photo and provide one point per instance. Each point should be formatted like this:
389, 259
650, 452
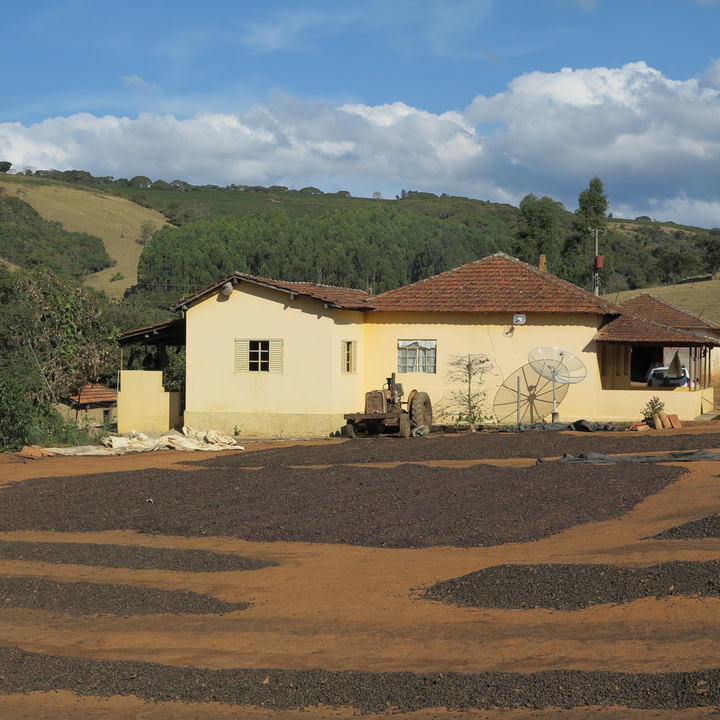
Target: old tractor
386, 411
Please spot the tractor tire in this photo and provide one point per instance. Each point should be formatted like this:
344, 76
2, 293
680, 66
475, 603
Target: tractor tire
421, 410
350, 430
405, 425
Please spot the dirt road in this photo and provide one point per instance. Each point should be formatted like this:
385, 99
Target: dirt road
341, 608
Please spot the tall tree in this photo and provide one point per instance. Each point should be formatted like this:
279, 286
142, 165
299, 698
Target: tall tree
592, 207
591, 213
540, 231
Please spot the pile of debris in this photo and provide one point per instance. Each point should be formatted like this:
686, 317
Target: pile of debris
660, 421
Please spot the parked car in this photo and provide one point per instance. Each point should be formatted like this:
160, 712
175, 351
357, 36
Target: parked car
662, 377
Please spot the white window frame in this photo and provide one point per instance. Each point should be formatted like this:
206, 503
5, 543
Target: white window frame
245, 357
417, 356
348, 357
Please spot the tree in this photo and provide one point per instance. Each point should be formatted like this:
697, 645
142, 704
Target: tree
147, 230
592, 207
16, 414
710, 246
540, 231
467, 403
5, 166
579, 249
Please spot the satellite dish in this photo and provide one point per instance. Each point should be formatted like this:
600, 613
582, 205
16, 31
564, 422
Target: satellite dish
526, 397
559, 366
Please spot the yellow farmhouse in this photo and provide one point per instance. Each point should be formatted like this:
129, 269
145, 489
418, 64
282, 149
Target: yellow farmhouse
276, 359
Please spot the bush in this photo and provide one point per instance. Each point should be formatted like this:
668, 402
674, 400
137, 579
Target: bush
16, 414
52, 429
654, 405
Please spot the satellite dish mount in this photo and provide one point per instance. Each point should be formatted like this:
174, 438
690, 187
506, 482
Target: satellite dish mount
558, 366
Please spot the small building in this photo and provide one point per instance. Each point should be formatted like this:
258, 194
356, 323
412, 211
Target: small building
93, 396
277, 359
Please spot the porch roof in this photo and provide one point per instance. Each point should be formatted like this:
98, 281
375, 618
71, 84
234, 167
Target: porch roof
170, 332
661, 311
629, 329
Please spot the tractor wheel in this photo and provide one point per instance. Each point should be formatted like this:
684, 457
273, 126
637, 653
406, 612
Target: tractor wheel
421, 410
350, 430
405, 425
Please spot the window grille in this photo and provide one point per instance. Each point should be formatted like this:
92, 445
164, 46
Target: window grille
417, 356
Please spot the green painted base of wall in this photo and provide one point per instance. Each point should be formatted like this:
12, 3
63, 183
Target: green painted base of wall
267, 425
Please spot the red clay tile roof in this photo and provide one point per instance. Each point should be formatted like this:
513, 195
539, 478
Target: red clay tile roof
340, 297
631, 329
661, 311
94, 393
497, 283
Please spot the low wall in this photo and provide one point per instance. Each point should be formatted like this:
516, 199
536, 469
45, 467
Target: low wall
267, 425
628, 404
598, 405
144, 405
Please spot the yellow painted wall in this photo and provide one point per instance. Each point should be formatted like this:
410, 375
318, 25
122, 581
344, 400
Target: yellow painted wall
628, 404
491, 334
304, 400
310, 396
143, 403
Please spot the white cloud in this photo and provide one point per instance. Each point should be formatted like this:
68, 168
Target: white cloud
655, 142
644, 134
134, 82
287, 142
711, 76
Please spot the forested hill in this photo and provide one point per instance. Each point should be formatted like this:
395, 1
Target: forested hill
380, 244
378, 247
26, 240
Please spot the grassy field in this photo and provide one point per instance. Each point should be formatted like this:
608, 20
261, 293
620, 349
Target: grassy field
701, 297
116, 220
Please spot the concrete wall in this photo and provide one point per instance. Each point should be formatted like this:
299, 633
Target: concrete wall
628, 404
311, 394
494, 335
306, 399
143, 403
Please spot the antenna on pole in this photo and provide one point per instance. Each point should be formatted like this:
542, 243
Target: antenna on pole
599, 260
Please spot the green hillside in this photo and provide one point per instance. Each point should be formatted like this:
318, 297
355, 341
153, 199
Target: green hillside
337, 239
115, 220
27, 240
701, 296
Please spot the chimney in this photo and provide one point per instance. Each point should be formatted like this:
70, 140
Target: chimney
543, 263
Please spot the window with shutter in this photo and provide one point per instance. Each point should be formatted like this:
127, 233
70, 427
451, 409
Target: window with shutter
348, 356
258, 356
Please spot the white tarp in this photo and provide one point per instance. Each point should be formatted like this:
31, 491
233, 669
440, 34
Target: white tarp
207, 440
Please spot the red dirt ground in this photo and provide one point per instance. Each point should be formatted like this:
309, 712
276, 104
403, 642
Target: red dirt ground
339, 607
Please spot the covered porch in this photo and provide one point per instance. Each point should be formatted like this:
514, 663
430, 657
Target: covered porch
639, 359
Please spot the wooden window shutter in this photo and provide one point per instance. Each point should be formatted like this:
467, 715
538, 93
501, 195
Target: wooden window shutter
242, 356
348, 356
276, 356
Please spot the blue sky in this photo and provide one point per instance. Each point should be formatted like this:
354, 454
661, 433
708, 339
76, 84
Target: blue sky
489, 99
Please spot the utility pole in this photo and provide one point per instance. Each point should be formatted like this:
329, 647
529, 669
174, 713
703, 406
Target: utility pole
599, 260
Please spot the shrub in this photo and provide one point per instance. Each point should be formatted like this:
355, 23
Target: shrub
16, 414
654, 405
